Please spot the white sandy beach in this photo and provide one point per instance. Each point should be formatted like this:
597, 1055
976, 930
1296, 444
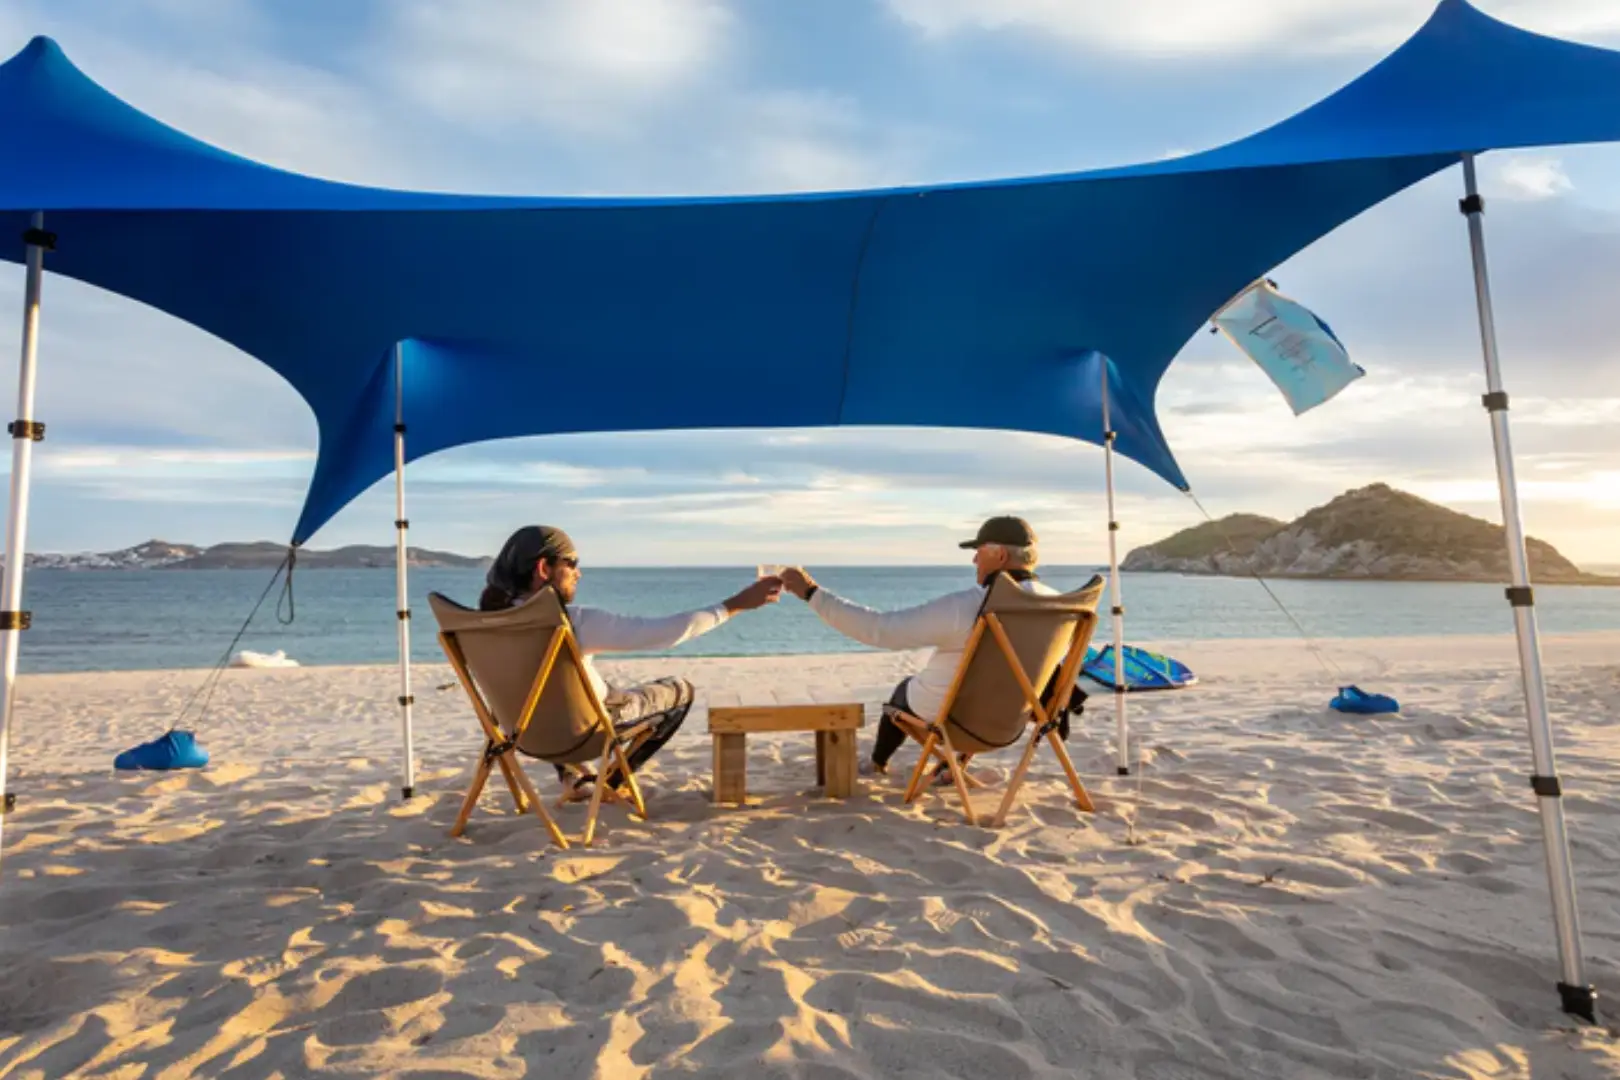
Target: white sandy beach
1312, 895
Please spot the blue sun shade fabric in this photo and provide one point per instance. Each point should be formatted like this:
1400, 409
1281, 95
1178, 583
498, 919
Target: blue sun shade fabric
983, 305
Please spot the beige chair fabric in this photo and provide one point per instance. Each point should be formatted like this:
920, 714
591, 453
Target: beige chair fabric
525, 676
1021, 644
504, 650
990, 711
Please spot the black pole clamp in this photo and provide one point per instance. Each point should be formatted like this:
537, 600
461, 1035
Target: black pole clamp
1110, 436
1579, 1001
1547, 787
1113, 526
1119, 610
402, 523
403, 613
1473, 204
1495, 401
407, 699
1521, 595
40, 238
16, 620
26, 429
399, 429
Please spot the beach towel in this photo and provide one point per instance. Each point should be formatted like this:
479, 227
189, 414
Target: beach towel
1143, 670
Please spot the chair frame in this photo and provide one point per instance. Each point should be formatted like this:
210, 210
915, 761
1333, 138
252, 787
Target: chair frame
500, 749
935, 736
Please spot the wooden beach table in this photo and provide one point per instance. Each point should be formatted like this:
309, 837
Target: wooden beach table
834, 727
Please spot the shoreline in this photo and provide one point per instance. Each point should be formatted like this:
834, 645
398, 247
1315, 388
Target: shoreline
1210, 646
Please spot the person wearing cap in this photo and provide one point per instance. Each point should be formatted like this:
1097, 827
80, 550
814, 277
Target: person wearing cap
537, 556
1004, 545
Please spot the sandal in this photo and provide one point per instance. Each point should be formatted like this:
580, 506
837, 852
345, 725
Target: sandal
579, 790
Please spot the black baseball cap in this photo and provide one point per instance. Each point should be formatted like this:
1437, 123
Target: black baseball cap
1012, 531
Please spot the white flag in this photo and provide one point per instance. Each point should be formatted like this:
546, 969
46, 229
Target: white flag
1296, 349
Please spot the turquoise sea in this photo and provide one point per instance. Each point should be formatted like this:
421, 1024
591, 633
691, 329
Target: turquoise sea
127, 619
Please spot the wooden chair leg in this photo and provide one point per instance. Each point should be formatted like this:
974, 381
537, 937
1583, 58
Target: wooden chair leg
956, 775
1081, 799
596, 795
973, 782
467, 804
1017, 779
512, 785
630, 781
922, 766
535, 801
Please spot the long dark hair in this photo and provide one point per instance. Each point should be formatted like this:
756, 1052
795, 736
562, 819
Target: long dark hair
511, 575
494, 598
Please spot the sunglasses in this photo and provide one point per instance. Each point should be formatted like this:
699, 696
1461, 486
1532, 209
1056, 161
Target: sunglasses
570, 561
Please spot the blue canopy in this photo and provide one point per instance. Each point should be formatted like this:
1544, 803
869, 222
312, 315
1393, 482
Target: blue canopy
986, 305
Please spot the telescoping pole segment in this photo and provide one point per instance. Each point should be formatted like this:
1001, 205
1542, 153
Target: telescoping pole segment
1577, 995
1121, 724
25, 431
407, 785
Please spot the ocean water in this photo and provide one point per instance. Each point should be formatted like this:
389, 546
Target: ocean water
132, 619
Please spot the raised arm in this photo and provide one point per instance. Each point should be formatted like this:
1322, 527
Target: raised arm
601, 631
941, 623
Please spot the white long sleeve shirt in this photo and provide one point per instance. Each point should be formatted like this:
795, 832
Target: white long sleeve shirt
599, 631
944, 624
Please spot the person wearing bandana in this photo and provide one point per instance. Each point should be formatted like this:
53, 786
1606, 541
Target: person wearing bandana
542, 556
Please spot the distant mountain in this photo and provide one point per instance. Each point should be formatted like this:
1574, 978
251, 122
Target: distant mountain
1375, 532
265, 555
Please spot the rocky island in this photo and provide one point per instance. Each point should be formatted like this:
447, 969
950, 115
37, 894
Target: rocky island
1373, 533
263, 555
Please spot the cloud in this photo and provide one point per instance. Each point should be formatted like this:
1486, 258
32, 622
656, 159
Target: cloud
1531, 177
1193, 27
592, 68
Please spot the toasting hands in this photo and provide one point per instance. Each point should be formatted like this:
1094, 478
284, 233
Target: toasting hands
796, 581
767, 590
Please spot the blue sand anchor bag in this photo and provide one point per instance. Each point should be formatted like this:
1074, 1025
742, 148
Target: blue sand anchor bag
174, 750
1353, 699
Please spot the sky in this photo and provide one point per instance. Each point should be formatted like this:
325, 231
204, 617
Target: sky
158, 430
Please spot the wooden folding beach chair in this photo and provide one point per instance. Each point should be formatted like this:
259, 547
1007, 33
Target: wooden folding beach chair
1021, 642
526, 677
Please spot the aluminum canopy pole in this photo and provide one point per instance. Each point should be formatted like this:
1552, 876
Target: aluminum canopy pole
407, 785
1578, 996
1122, 736
25, 431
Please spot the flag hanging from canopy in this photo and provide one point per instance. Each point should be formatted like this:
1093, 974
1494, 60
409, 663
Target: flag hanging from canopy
1295, 348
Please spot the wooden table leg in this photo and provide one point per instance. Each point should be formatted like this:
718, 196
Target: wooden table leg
821, 759
840, 763
730, 769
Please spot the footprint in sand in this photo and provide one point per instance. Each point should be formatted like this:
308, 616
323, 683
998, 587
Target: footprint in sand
1399, 820
1465, 862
